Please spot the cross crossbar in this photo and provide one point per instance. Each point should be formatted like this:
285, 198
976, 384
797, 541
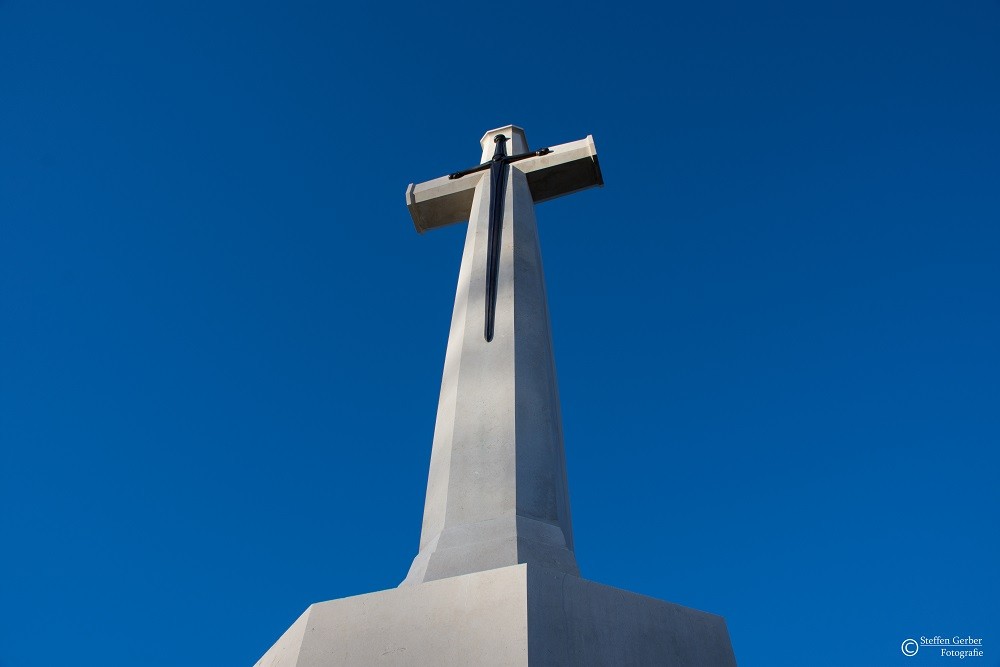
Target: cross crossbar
563, 170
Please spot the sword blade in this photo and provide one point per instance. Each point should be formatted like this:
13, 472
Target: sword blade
498, 192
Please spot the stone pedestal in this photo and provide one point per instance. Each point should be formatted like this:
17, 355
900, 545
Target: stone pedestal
516, 615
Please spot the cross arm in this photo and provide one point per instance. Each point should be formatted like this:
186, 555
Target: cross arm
565, 169
442, 201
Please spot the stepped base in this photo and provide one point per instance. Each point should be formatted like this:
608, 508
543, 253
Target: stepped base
517, 615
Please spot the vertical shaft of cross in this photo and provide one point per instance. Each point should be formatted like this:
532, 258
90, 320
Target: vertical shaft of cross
497, 492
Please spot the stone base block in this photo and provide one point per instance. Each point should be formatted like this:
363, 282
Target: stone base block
518, 615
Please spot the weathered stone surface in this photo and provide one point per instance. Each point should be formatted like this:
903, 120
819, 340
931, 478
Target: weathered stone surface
519, 615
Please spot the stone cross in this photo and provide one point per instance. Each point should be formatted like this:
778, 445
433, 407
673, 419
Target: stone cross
496, 491
495, 581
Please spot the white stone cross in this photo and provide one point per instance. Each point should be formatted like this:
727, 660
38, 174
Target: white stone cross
495, 581
496, 491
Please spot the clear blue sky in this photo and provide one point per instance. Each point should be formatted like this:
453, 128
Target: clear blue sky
776, 327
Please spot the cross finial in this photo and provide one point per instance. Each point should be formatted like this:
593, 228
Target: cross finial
516, 141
